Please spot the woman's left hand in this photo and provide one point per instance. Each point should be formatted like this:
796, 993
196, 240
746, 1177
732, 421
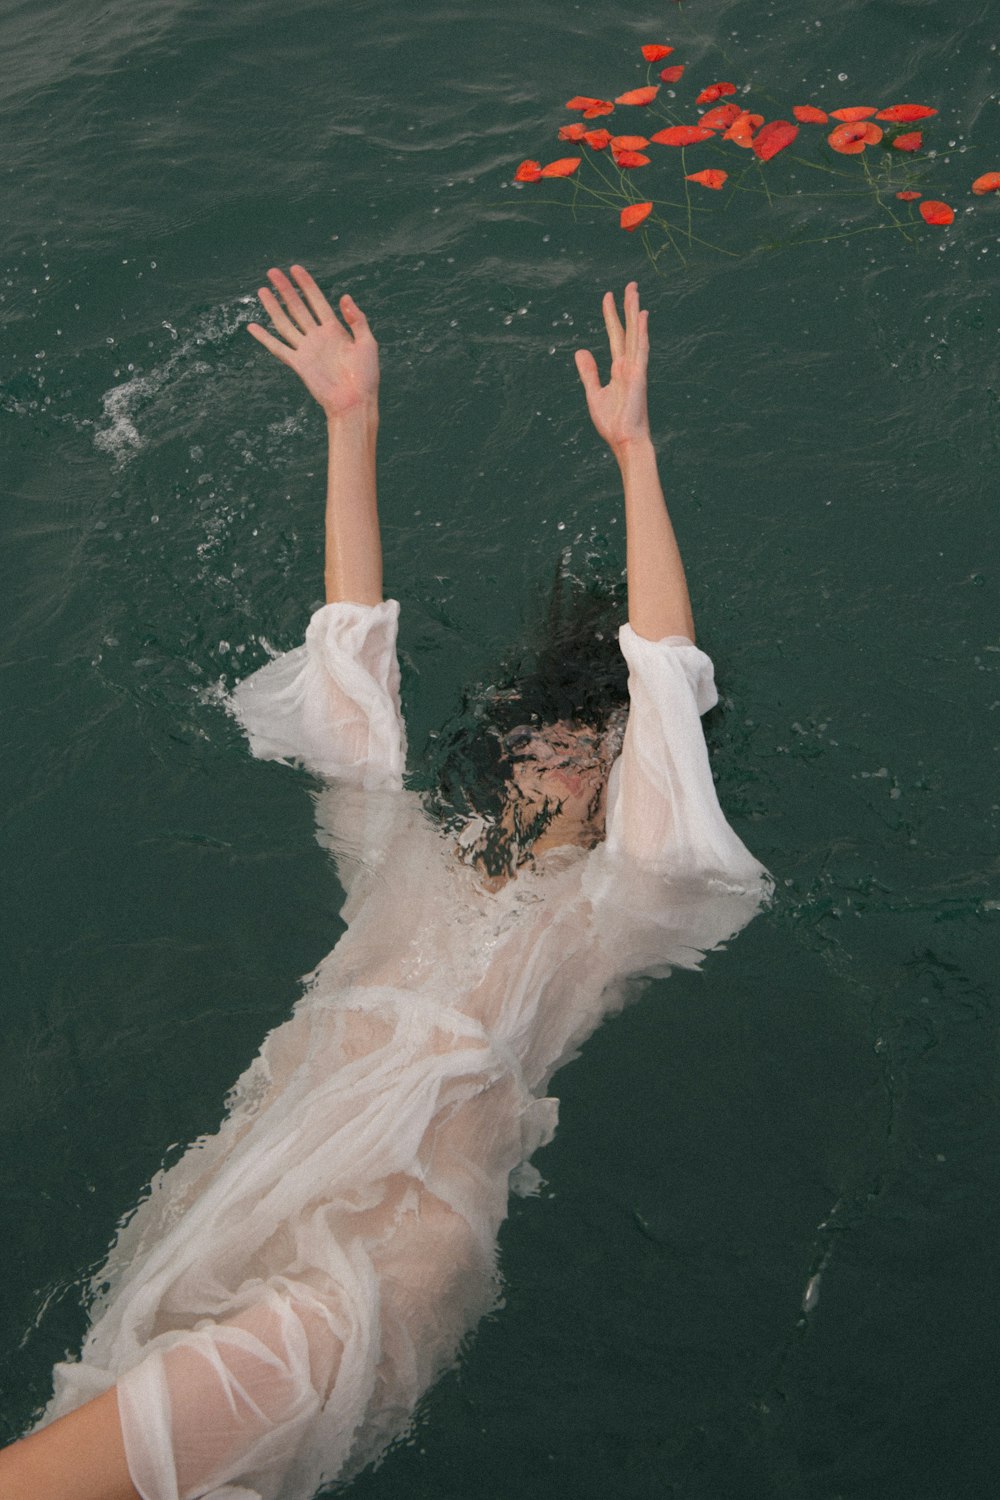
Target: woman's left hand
337, 365
618, 409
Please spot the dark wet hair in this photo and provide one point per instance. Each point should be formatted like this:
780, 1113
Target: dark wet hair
573, 670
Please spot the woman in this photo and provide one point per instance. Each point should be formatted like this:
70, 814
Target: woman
269, 1317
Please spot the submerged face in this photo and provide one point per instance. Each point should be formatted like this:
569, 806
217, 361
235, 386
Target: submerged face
558, 780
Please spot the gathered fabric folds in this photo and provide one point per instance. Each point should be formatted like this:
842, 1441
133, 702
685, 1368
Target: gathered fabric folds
273, 1310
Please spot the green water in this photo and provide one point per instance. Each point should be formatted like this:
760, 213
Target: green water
822, 1101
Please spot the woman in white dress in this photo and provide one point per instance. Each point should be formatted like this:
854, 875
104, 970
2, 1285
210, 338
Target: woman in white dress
270, 1315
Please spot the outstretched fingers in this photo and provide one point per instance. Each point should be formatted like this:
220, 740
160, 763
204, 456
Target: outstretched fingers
276, 347
354, 317
586, 366
279, 318
612, 322
632, 320
296, 308
320, 307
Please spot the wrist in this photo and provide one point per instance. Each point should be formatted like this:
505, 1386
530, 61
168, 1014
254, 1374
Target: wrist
637, 447
361, 417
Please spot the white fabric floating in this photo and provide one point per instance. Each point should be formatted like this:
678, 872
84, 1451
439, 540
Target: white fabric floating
276, 1307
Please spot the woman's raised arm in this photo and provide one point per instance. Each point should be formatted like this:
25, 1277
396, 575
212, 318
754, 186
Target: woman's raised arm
339, 367
658, 602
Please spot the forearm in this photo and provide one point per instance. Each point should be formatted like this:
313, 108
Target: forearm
658, 601
79, 1457
353, 543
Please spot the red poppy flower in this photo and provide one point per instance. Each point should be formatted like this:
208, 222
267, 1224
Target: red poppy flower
773, 137
935, 212
597, 139
988, 183
673, 74
850, 139
908, 195
653, 51
741, 130
629, 158
904, 114
911, 141
628, 142
528, 171
633, 216
721, 117
682, 135
710, 178
854, 112
589, 106
639, 96
574, 132
715, 91
809, 114
564, 167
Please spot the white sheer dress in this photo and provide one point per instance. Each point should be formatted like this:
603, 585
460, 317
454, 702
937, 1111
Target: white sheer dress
274, 1310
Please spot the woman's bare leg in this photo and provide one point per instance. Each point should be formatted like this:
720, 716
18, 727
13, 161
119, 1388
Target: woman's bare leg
79, 1457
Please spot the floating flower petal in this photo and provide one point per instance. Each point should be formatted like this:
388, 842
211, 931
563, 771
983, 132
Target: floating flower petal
597, 139
905, 114
574, 132
908, 195
528, 171
855, 112
633, 216
710, 178
589, 106
774, 137
629, 158
639, 96
988, 183
850, 139
653, 51
564, 167
682, 135
628, 142
911, 141
721, 117
741, 130
933, 211
715, 91
810, 115
674, 73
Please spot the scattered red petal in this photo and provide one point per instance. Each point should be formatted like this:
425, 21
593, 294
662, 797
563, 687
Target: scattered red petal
904, 114
851, 138
528, 171
633, 216
741, 130
809, 114
908, 195
673, 74
564, 167
628, 142
639, 96
629, 158
855, 112
581, 101
933, 211
911, 141
599, 107
721, 117
597, 139
654, 51
682, 135
574, 132
710, 178
774, 137
715, 91
988, 183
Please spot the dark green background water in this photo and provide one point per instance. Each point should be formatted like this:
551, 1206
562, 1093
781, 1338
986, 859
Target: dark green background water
823, 1099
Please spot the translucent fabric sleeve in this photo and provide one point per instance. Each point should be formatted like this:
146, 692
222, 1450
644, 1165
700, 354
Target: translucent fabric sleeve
332, 704
663, 810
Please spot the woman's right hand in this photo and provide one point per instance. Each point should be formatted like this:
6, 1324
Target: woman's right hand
337, 365
618, 409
